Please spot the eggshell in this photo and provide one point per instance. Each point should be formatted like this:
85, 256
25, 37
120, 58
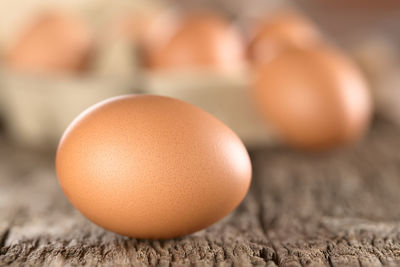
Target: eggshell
152, 166
196, 41
314, 98
285, 30
53, 43
134, 25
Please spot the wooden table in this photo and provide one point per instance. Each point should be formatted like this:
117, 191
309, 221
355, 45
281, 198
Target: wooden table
334, 209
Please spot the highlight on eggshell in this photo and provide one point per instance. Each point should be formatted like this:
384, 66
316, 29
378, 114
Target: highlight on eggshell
152, 167
314, 98
196, 41
52, 43
283, 31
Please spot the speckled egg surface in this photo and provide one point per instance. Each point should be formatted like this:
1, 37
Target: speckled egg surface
152, 167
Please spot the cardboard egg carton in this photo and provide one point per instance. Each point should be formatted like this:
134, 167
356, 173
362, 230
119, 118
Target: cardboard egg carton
38, 109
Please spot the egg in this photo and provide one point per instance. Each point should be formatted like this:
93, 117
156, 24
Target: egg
314, 98
195, 41
135, 25
285, 30
152, 167
53, 43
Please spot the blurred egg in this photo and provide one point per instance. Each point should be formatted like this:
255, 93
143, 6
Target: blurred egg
196, 41
315, 99
152, 166
53, 43
135, 25
279, 33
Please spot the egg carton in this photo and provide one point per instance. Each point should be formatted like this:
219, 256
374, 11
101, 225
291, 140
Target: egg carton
37, 110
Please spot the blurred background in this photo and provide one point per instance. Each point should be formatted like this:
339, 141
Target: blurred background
312, 87
311, 75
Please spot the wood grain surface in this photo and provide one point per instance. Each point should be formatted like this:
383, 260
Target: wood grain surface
328, 209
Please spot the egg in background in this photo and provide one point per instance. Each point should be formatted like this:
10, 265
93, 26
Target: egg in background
195, 41
135, 24
52, 43
152, 167
279, 32
314, 98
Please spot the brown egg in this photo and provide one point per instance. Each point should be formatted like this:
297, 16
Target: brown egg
281, 32
134, 26
152, 167
197, 41
51, 44
314, 98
